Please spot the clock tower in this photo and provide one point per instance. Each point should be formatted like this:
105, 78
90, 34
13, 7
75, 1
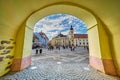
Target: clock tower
71, 36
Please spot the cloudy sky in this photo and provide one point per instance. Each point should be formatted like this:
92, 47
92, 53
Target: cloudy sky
54, 24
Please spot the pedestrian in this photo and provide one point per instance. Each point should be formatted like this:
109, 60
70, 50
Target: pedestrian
72, 47
40, 49
87, 48
37, 47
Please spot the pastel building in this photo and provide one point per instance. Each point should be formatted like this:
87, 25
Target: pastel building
40, 38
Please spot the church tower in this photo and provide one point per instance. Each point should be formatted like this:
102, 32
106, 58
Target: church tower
71, 34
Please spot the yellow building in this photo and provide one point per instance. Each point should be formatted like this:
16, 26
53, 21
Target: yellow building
60, 39
71, 39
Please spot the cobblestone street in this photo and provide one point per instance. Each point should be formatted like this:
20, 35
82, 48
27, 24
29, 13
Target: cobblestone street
59, 65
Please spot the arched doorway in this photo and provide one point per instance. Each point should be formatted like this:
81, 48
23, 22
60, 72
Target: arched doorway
100, 54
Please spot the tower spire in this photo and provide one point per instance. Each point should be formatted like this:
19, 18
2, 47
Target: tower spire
71, 28
71, 36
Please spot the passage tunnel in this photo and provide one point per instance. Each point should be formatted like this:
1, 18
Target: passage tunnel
16, 31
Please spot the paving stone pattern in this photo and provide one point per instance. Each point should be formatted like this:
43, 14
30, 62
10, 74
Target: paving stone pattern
59, 65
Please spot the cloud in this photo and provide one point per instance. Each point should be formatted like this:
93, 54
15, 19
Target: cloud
53, 24
52, 34
65, 32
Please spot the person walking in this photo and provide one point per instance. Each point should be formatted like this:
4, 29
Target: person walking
37, 47
40, 49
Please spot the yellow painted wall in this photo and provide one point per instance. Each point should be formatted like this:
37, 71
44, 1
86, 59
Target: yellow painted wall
12, 26
61, 8
27, 48
6, 55
20, 42
99, 41
23, 48
104, 41
115, 42
24, 42
115, 45
18, 53
93, 38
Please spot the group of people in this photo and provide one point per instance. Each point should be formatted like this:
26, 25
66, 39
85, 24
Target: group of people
55, 47
38, 49
50, 47
72, 48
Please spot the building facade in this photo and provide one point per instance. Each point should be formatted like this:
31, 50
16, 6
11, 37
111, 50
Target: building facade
71, 39
40, 38
59, 40
80, 39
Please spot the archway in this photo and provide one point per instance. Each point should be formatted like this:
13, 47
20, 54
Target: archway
100, 54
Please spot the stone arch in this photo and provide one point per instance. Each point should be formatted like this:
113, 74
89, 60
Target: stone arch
100, 56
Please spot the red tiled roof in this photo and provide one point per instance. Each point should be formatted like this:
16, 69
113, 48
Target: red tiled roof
43, 35
80, 35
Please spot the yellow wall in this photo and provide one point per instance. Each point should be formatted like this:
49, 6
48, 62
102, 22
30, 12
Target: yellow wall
103, 38
93, 38
99, 41
115, 42
27, 48
20, 42
104, 41
6, 55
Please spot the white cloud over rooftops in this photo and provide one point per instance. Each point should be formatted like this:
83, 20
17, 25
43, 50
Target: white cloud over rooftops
54, 24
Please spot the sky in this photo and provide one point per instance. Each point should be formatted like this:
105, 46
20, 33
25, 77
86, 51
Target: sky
60, 23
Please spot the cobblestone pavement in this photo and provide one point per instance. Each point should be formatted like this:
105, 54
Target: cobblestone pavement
59, 65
